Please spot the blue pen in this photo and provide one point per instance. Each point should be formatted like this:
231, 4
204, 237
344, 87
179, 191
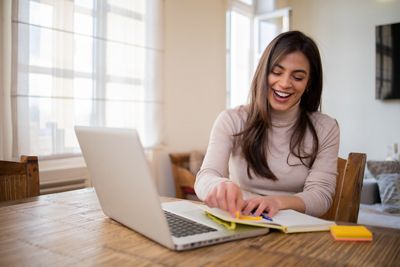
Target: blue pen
265, 216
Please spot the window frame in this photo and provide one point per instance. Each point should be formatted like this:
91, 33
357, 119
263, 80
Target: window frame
282, 14
97, 74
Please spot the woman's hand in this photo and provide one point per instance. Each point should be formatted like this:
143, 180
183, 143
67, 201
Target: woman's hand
226, 196
270, 204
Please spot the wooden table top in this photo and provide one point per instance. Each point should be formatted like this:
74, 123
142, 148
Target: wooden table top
69, 228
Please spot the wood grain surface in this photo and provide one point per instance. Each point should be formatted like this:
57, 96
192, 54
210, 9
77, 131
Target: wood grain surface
69, 228
19, 180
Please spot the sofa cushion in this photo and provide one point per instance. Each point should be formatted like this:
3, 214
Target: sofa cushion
370, 191
379, 167
389, 189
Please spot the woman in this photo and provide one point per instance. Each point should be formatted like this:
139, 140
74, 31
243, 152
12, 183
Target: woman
278, 152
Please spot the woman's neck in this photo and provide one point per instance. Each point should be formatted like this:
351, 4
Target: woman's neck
285, 118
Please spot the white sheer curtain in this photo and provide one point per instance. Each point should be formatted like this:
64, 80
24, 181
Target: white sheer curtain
85, 62
5, 81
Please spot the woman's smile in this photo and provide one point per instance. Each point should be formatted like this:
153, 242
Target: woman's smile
281, 96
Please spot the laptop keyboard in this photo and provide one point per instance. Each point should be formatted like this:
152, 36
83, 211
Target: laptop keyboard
181, 227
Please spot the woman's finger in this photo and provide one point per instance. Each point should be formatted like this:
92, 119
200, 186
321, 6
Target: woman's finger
221, 197
272, 211
261, 208
250, 206
234, 198
210, 200
239, 203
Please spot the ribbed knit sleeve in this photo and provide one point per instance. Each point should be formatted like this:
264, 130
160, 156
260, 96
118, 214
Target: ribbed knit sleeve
320, 184
214, 169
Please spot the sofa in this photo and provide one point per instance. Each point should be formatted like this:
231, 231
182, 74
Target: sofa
380, 195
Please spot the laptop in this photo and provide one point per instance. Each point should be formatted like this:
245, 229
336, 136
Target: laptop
127, 194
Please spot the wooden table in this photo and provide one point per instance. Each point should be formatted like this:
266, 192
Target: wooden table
69, 228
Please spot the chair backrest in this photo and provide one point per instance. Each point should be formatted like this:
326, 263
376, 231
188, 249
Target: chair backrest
180, 163
346, 202
19, 179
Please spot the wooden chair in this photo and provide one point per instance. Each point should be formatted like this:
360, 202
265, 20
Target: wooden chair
184, 179
346, 202
19, 179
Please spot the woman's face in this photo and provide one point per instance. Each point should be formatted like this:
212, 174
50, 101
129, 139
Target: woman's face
287, 81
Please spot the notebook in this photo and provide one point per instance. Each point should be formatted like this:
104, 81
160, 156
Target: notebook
288, 221
127, 193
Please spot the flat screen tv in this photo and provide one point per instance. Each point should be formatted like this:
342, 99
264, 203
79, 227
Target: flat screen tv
388, 61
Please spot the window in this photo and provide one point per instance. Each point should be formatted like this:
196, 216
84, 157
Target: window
239, 52
248, 2
248, 35
84, 62
267, 27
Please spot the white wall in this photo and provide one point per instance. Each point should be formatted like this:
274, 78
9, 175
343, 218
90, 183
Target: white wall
345, 33
195, 83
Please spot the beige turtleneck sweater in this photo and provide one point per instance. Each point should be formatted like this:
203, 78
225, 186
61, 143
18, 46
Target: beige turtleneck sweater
315, 185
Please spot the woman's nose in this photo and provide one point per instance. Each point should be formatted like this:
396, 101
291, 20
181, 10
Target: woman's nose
284, 81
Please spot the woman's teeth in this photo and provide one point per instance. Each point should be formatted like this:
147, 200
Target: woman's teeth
282, 94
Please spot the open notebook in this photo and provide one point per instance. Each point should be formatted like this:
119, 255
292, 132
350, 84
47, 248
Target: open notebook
288, 221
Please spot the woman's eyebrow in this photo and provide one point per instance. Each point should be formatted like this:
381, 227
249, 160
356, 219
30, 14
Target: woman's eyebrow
297, 70
301, 71
278, 66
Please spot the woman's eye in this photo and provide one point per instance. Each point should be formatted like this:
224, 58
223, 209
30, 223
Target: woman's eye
298, 78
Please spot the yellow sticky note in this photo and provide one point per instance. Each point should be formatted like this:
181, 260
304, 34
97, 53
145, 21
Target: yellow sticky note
351, 233
248, 218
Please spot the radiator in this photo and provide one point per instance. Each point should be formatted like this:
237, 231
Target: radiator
63, 179
54, 187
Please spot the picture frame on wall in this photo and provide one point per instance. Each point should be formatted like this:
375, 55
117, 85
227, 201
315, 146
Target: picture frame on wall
387, 61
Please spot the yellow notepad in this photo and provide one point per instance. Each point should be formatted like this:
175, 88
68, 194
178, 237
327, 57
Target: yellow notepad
351, 233
227, 225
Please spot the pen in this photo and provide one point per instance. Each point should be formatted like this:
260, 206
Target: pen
265, 216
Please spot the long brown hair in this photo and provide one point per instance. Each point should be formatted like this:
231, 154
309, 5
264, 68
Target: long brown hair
253, 139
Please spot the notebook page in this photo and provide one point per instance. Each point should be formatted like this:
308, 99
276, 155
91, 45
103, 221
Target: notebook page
292, 218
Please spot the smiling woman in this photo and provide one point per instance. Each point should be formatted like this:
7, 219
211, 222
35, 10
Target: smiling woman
281, 152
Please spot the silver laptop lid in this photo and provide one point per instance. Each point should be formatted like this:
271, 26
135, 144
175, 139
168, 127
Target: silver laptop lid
116, 162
